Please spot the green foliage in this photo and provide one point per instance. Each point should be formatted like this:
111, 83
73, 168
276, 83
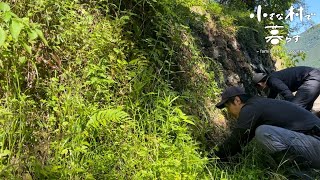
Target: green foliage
106, 90
101, 119
4, 7
16, 26
269, 6
286, 59
18, 37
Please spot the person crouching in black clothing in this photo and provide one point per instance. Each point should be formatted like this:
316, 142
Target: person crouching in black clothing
304, 80
278, 125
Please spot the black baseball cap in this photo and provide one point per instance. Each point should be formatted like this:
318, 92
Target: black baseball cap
258, 77
228, 93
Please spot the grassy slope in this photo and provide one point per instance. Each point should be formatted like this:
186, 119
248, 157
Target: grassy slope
108, 97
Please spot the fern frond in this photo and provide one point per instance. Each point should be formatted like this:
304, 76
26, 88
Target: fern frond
102, 118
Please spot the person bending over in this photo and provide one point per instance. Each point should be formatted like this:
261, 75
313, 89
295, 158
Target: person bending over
278, 125
304, 80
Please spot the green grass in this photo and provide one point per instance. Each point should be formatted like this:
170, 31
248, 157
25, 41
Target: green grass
112, 90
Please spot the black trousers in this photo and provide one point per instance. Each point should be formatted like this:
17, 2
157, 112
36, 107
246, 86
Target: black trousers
309, 91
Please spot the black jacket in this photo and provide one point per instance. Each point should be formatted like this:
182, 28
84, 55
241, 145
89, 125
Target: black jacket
263, 111
286, 81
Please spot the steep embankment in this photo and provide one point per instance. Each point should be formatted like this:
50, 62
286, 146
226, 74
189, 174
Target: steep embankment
228, 47
121, 89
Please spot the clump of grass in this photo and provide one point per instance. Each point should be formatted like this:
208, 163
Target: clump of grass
110, 90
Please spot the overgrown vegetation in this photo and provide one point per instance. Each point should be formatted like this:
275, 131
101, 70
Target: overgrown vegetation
111, 90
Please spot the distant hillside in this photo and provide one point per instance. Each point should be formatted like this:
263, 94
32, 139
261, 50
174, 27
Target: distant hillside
309, 42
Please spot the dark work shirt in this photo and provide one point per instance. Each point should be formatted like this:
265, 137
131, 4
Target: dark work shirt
263, 111
286, 81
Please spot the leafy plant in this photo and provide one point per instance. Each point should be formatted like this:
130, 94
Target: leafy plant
112, 90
